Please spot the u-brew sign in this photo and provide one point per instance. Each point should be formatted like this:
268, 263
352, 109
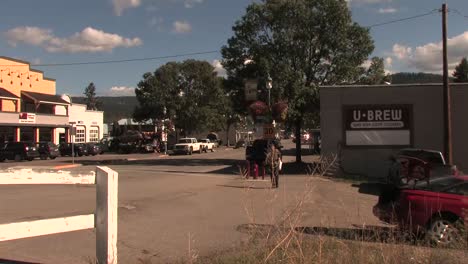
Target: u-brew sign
377, 117
377, 125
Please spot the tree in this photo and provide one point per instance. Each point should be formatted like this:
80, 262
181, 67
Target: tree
301, 45
375, 74
189, 93
116, 131
92, 102
461, 71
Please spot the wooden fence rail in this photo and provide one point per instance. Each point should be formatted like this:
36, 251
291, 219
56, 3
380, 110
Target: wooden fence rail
104, 219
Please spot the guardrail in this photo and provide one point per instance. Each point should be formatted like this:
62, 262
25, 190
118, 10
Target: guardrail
104, 219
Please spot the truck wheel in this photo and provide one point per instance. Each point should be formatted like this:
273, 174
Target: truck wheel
200, 150
212, 149
444, 231
190, 151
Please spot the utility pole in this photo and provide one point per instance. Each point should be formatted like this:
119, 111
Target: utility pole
447, 100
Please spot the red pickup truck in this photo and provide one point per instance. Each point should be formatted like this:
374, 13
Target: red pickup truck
437, 208
412, 165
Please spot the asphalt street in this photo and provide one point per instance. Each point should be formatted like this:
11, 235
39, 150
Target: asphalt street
165, 202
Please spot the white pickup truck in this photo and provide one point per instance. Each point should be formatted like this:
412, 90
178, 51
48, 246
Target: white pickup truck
188, 146
207, 145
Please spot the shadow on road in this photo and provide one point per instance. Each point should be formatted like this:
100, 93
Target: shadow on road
6, 261
245, 187
372, 188
231, 166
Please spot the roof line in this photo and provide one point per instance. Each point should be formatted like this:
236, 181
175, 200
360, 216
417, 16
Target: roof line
16, 60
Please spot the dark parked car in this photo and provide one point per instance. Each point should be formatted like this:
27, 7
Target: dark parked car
436, 208
93, 149
18, 151
48, 150
78, 149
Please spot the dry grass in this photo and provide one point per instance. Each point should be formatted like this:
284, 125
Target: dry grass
324, 249
283, 240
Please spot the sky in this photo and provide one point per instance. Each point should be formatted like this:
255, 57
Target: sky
60, 32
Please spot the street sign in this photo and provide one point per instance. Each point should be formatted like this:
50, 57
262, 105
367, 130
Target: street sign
164, 137
73, 131
268, 131
251, 90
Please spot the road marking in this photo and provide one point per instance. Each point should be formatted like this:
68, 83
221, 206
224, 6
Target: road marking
69, 166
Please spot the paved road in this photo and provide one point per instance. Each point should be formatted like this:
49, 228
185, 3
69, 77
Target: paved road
165, 200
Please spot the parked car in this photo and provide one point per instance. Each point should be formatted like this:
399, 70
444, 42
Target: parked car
79, 149
105, 144
93, 149
418, 164
18, 151
207, 145
188, 146
436, 208
146, 147
47, 150
241, 143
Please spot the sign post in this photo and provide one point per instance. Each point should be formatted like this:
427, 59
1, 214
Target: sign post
250, 90
268, 131
72, 137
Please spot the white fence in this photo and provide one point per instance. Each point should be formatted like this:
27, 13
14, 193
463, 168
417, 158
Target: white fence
104, 219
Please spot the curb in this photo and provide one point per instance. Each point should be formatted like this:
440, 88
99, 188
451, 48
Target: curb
68, 166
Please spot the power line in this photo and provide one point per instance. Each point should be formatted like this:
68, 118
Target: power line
404, 19
458, 13
126, 60
209, 52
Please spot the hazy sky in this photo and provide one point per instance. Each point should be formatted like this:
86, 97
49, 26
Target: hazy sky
64, 31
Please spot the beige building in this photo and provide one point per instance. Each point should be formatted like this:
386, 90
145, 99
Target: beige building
89, 124
365, 125
28, 104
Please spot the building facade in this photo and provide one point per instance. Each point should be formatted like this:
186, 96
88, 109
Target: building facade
30, 110
28, 104
88, 124
365, 125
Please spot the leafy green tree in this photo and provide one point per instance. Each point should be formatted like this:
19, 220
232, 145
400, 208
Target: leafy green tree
92, 102
189, 93
301, 45
234, 106
375, 74
461, 71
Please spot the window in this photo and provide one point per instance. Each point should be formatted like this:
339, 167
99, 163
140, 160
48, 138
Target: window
94, 134
80, 134
460, 189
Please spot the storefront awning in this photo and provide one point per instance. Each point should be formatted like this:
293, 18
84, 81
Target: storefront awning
40, 98
4, 94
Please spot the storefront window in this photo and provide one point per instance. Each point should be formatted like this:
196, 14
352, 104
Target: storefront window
27, 134
94, 134
7, 134
45, 134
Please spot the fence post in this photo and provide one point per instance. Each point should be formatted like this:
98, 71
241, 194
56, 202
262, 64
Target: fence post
106, 215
